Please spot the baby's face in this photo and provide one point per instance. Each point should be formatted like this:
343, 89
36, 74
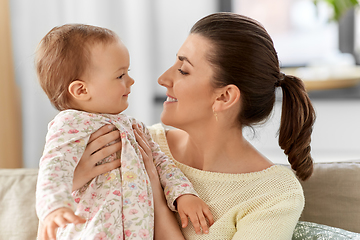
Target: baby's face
107, 78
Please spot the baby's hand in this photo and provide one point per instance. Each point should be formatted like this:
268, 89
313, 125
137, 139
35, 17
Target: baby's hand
191, 206
58, 218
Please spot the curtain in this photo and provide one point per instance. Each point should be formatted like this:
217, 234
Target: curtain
10, 120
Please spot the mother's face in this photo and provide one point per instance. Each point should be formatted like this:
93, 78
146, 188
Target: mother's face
188, 82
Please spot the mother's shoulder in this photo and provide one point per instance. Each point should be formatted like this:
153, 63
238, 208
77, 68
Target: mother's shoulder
166, 131
175, 133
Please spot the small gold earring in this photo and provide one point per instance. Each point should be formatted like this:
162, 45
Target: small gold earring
215, 115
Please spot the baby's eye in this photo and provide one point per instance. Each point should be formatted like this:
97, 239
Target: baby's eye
122, 75
182, 72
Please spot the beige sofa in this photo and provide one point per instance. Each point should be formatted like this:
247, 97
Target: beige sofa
332, 198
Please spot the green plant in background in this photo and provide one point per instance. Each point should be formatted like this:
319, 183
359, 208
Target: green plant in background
339, 6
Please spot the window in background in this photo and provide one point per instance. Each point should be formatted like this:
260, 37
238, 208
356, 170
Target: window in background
305, 35
302, 32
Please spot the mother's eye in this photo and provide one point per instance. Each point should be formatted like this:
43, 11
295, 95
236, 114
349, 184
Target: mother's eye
182, 72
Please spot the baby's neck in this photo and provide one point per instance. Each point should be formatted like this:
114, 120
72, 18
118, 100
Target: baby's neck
93, 112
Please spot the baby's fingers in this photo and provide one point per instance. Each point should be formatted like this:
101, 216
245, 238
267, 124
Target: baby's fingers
184, 219
195, 222
68, 217
203, 223
72, 218
209, 216
50, 234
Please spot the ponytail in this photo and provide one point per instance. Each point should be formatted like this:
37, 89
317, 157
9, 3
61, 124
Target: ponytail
297, 119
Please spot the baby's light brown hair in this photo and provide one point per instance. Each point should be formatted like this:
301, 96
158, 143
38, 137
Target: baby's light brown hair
63, 55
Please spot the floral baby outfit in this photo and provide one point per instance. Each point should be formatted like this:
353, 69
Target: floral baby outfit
117, 204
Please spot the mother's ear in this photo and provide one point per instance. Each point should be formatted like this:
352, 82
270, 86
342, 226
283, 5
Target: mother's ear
79, 91
227, 97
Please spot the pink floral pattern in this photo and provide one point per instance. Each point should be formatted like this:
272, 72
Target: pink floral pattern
117, 204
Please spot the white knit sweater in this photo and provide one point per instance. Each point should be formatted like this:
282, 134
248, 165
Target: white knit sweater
259, 205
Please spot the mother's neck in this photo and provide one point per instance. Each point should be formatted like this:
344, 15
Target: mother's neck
209, 148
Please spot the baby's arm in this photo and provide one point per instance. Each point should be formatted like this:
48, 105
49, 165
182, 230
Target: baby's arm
64, 146
65, 143
58, 218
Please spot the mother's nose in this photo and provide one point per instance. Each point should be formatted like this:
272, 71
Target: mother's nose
165, 79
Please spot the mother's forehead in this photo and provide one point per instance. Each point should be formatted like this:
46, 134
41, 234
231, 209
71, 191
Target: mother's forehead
195, 48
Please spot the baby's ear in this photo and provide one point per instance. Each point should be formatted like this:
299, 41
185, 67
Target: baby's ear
78, 90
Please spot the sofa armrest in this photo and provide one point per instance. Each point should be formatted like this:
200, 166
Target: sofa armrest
18, 220
332, 195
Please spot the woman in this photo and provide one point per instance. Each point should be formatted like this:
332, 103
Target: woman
224, 79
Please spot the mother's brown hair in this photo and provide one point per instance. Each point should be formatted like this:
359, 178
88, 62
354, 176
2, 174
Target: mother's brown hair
244, 55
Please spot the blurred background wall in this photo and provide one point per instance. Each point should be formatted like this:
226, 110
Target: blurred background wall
154, 30
10, 123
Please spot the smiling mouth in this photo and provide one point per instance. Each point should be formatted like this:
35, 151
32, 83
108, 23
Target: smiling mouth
170, 99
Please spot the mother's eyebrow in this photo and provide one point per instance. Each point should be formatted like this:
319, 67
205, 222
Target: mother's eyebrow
183, 58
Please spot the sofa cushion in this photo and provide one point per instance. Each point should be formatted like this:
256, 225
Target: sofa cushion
18, 220
332, 195
331, 198
314, 231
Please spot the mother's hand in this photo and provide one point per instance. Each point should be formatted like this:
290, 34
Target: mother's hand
147, 156
96, 150
166, 226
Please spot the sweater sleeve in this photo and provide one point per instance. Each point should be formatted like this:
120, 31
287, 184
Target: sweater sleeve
172, 179
275, 219
66, 141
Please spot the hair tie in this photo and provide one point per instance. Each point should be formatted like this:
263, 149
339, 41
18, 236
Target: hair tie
282, 76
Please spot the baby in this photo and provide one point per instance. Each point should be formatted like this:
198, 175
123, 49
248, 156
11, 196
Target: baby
84, 71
